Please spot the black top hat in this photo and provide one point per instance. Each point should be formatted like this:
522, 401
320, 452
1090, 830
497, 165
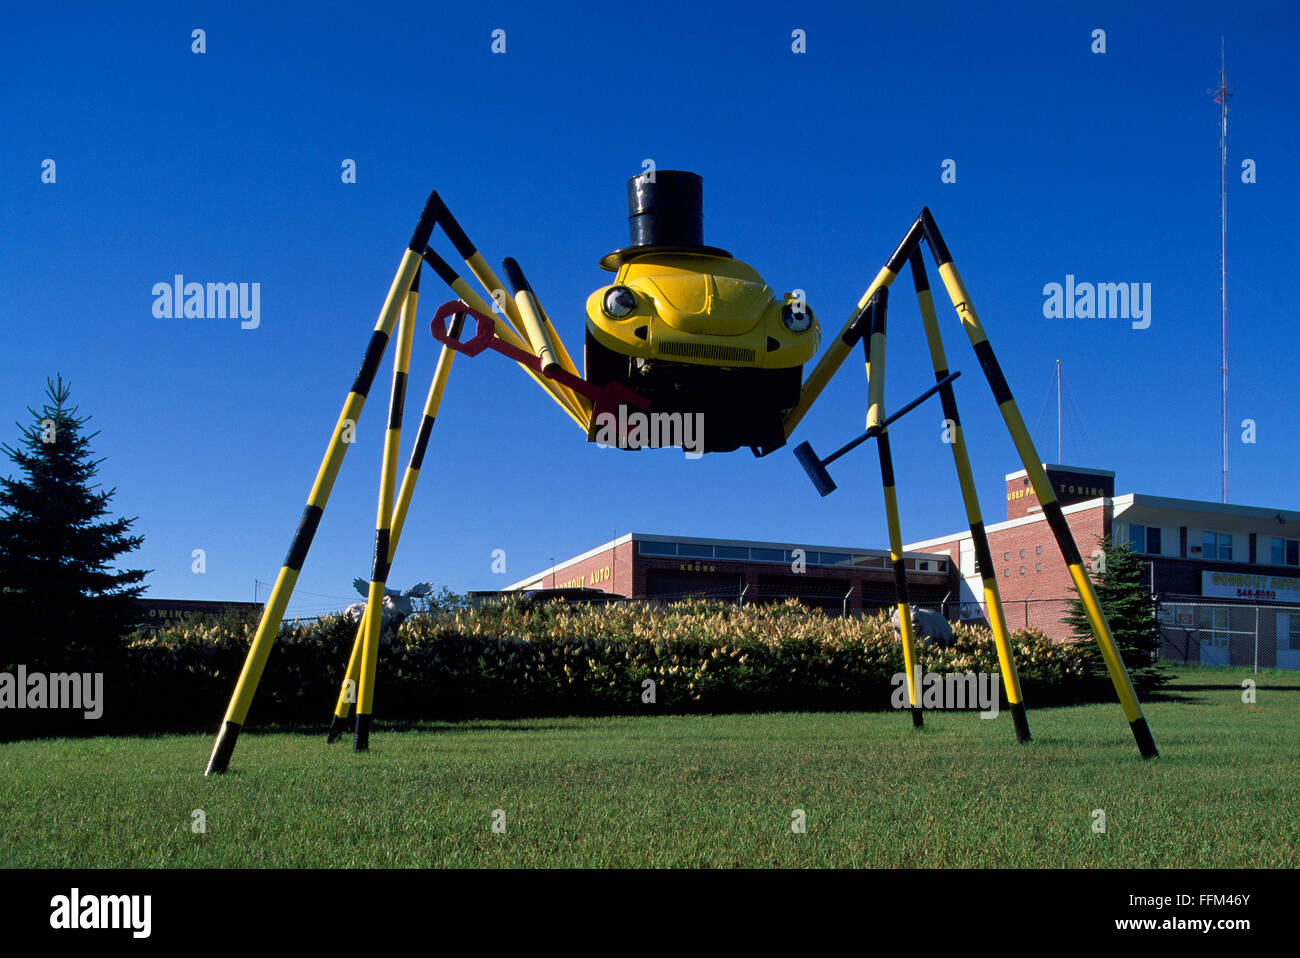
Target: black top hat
665, 214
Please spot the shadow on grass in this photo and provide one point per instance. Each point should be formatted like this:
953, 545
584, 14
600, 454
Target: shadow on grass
303, 729
1237, 688
1189, 694
1036, 698
423, 725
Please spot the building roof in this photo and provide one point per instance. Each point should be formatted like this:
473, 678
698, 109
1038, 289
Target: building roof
1144, 502
1021, 473
1137, 503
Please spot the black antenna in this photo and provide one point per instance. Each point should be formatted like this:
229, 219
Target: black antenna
1221, 95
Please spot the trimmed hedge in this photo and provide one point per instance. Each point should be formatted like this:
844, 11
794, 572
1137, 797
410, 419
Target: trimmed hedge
510, 660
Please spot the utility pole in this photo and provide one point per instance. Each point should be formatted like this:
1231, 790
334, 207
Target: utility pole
1221, 95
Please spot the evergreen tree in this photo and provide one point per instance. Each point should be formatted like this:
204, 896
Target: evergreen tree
59, 600
1131, 612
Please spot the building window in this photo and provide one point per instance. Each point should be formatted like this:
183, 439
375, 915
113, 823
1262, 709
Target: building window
1144, 539
1039, 567
730, 552
657, 548
1006, 572
767, 555
1022, 570
694, 551
1291, 637
1216, 545
1286, 552
1214, 620
1038, 551
1022, 553
1006, 557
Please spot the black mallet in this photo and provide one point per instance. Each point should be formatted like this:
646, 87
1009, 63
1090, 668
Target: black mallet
816, 468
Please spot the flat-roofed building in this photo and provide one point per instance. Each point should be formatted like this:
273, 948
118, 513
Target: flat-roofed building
842, 579
1197, 553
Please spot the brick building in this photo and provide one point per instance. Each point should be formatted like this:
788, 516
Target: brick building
1207, 551
838, 579
1205, 561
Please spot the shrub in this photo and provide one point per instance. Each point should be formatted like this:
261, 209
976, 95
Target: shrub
506, 660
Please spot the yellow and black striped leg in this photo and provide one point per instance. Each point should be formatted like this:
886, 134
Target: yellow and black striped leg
513, 319
1042, 488
874, 347
373, 622
345, 706
504, 331
842, 345
900, 576
992, 597
273, 613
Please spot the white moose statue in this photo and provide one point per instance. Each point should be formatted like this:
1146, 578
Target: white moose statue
928, 626
396, 607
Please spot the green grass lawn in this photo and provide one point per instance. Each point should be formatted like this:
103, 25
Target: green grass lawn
691, 791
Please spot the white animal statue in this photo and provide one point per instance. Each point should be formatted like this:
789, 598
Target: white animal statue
927, 626
397, 605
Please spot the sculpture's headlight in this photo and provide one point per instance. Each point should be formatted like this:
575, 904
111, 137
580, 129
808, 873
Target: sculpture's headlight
796, 316
619, 302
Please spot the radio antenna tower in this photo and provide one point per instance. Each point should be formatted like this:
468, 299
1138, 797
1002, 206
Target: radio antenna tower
1221, 95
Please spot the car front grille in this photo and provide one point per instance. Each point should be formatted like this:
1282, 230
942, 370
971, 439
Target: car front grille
694, 350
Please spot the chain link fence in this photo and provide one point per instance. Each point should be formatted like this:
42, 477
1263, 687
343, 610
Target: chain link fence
1242, 636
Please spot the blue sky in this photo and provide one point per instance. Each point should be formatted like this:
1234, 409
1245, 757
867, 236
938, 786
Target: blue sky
225, 167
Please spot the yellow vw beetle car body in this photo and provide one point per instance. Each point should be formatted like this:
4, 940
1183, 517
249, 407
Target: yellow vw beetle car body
695, 330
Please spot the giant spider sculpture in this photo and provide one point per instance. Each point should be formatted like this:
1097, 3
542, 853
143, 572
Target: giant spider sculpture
684, 330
